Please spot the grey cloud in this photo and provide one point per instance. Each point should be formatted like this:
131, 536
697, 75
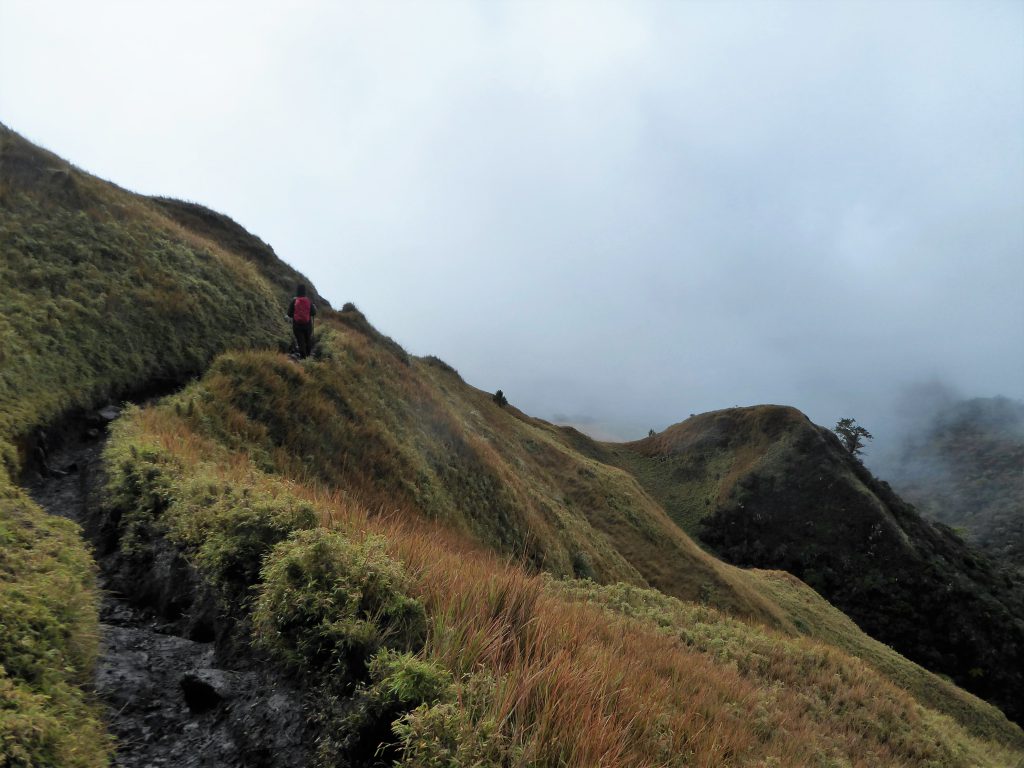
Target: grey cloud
633, 211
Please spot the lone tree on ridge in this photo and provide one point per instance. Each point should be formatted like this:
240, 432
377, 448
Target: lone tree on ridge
852, 435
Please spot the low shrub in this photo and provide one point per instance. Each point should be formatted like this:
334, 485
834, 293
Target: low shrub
401, 678
227, 528
327, 603
237, 528
361, 732
55, 729
456, 732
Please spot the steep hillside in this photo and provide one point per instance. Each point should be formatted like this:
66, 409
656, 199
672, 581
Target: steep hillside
765, 487
965, 468
102, 294
410, 435
232, 238
103, 291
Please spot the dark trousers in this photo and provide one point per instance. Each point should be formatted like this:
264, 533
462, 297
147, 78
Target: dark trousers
303, 337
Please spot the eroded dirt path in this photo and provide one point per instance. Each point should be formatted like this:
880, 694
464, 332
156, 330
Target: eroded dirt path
170, 700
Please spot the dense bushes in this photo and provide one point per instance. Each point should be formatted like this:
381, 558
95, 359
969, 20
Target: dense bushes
457, 731
225, 524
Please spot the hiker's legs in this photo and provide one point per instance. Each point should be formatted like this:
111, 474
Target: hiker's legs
303, 335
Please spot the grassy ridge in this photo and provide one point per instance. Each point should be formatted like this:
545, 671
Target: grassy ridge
409, 435
383, 525
764, 487
103, 292
505, 667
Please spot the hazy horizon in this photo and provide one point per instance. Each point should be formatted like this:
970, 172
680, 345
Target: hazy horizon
618, 213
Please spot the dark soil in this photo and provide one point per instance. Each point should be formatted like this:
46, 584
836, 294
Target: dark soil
178, 691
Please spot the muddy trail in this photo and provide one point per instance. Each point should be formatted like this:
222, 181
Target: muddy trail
178, 687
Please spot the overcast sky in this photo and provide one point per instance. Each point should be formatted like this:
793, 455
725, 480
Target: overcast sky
625, 212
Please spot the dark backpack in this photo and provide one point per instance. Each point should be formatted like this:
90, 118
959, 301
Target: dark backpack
302, 310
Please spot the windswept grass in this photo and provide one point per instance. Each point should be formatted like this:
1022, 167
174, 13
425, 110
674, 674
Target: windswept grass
387, 531
106, 296
393, 434
411, 436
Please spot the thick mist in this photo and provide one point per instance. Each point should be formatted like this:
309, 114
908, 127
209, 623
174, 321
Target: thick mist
618, 213
922, 417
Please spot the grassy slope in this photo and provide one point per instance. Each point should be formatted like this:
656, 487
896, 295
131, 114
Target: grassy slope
409, 434
102, 293
521, 669
230, 237
766, 488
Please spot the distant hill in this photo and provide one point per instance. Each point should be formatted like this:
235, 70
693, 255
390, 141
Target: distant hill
965, 467
765, 487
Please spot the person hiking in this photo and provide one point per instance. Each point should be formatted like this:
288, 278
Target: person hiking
302, 311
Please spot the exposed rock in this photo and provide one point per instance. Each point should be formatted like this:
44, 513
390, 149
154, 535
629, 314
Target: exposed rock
179, 686
109, 413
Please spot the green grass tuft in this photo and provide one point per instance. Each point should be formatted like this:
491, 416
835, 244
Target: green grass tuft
328, 604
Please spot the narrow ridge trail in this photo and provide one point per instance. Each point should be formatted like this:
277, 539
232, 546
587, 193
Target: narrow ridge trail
169, 700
